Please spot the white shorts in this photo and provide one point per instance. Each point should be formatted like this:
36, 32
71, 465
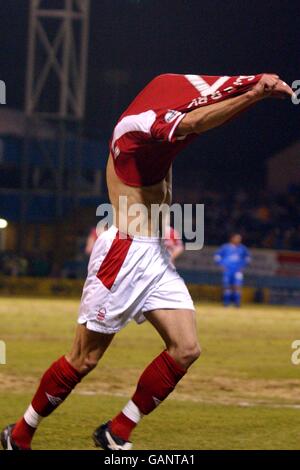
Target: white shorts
126, 278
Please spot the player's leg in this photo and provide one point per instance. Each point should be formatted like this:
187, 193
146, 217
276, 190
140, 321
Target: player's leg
178, 330
227, 292
237, 288
59, 380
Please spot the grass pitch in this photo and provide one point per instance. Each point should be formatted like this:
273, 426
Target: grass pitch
243, 393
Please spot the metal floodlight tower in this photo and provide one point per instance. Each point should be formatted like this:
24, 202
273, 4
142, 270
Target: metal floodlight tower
57, 58
55, 90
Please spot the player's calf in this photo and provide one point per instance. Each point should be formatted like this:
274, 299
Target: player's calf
155, 384
58, 382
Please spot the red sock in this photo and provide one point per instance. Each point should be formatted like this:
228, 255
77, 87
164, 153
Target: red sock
156, 383
24, 434
56, 384
122, 426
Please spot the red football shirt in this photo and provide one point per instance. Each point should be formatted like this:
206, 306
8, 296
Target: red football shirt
143, 144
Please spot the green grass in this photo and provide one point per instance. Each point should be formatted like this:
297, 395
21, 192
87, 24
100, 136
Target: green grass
241, 394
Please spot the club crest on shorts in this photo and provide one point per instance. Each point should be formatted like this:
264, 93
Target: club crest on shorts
101, 314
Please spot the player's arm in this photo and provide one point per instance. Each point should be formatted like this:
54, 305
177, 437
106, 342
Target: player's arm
208, 117
218, 256
177, 250
90, 242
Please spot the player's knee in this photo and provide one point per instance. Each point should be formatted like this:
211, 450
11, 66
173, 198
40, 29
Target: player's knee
187, 353
88, 364
192, 353
84, 363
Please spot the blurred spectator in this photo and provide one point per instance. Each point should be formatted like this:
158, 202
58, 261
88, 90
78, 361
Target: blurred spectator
13, 265
265, 220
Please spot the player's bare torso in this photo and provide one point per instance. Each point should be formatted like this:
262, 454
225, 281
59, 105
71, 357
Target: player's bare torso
146, 195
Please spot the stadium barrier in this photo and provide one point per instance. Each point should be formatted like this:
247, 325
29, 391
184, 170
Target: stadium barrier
71, 288
40, 287
273, 277
205, 292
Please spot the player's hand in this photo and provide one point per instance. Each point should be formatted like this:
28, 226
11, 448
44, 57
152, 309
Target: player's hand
270, 86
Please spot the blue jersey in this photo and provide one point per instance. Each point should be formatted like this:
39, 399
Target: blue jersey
233, 258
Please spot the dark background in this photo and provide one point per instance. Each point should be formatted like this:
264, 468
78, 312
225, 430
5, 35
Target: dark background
140, 39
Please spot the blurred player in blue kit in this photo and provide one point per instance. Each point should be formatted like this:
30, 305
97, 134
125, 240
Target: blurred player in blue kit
233, 257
